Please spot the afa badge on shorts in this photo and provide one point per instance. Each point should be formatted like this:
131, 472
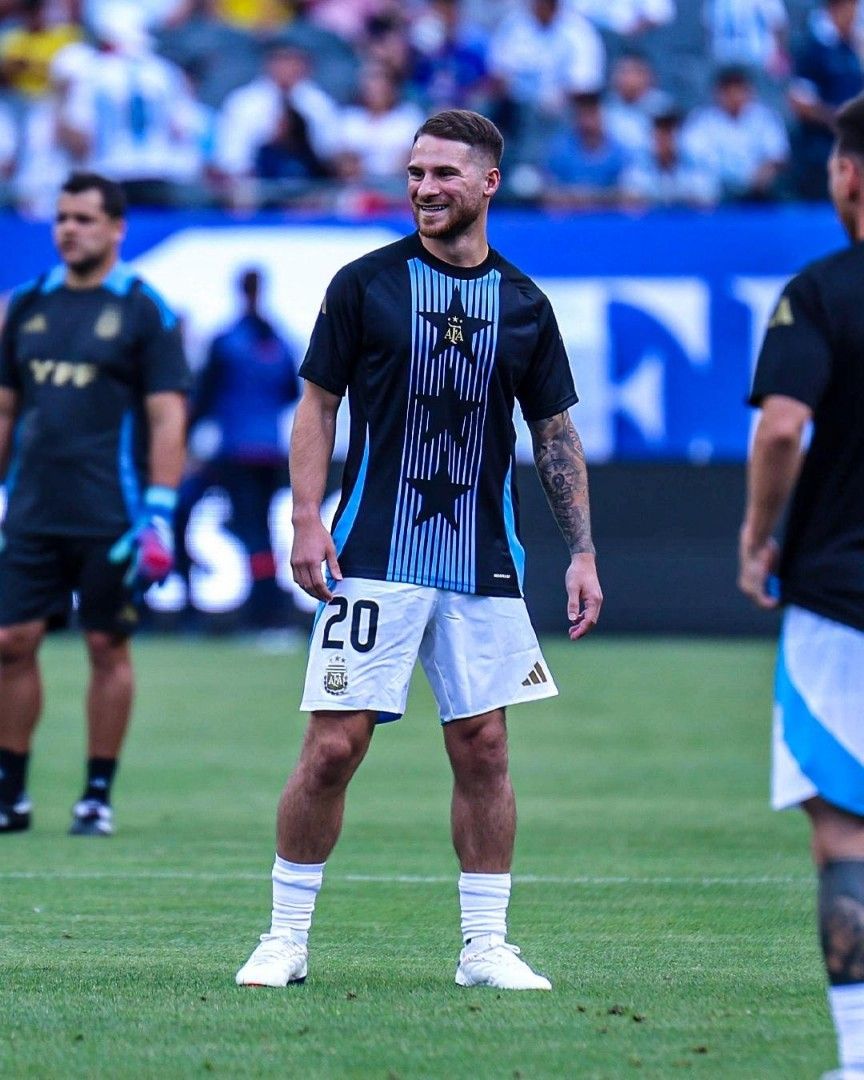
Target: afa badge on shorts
336, 676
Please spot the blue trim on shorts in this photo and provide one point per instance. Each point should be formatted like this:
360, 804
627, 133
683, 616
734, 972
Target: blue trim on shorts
837, 775
352, 507
517, 552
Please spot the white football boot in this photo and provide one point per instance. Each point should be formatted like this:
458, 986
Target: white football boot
277, 961
488, 960
92, 818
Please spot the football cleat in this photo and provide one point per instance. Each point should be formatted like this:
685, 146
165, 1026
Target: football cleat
91, 818
15, 817
488, 960
277, 961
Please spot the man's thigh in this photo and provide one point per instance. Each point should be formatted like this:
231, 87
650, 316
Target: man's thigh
364, 646
481, 653
34, 581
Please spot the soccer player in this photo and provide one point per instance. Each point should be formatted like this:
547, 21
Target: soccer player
92, 418
433, 337
810, 371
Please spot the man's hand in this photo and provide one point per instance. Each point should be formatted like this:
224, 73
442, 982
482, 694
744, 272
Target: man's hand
584, 596
313, 545
756, 565
149, 545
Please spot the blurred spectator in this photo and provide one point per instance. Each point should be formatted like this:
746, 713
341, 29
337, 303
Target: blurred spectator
627, 17
217, 57
385, 42
348, 20
257, 16
741, 140
751, 33
246, 385
449, 59
827, 71
130, 115
289, 156
152, 13
632, 102
26, 50
8, 141
380, 130
585, 162
251, 114
665, 175
537, 56
48, 150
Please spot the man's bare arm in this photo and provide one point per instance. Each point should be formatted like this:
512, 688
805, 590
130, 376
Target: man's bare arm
772, 471
8, 416
560, 462
312, 441
166, 418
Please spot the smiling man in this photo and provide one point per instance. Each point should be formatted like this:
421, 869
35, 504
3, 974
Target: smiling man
433, 338
92, 418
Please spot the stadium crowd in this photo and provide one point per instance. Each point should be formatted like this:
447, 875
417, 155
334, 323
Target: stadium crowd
312, 103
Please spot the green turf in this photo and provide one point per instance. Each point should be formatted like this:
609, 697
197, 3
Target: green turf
672, 910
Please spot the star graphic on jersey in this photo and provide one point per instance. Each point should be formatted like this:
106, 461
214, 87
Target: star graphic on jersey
454, 328
447, 412
439, 494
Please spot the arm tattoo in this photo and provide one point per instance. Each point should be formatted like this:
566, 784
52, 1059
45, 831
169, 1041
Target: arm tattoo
560, 462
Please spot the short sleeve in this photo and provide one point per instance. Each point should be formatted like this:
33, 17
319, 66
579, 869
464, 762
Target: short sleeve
795, 359
547, 387
163, 361
337, 336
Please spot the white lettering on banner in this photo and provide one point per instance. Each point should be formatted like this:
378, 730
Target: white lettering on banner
680, 305
196, 270
220, 580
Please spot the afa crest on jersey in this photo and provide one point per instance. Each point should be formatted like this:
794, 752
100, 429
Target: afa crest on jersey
108, 324
336, 676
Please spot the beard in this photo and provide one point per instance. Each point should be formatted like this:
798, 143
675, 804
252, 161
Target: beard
85, 265
456, 223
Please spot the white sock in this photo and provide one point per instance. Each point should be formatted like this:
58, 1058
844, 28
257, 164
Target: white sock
295, 890
483, 899
847, 1008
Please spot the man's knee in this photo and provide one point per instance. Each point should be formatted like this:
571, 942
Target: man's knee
19, 644
108, 653
332, 752
479, 751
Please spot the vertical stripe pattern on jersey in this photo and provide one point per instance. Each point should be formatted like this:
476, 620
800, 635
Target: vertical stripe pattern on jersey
454, 335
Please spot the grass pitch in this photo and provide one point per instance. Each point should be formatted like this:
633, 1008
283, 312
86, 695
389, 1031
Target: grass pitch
672, 910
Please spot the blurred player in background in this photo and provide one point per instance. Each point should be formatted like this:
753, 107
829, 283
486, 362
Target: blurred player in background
247, 382
92, 426
810, 370
434, 338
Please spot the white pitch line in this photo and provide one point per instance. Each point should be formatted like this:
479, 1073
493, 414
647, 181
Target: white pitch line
399, 879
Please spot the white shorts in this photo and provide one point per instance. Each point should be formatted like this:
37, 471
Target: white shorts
479, 652
818, 713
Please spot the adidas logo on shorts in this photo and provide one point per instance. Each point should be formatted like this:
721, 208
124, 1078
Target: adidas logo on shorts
536, 676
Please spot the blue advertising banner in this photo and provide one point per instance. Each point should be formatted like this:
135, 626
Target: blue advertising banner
662, 314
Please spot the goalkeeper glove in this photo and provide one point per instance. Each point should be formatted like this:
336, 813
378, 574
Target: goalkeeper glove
149, 545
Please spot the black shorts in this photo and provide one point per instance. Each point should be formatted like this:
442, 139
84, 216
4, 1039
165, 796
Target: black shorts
39, 574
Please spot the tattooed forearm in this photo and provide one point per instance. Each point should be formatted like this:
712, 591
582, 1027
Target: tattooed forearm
560, 462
